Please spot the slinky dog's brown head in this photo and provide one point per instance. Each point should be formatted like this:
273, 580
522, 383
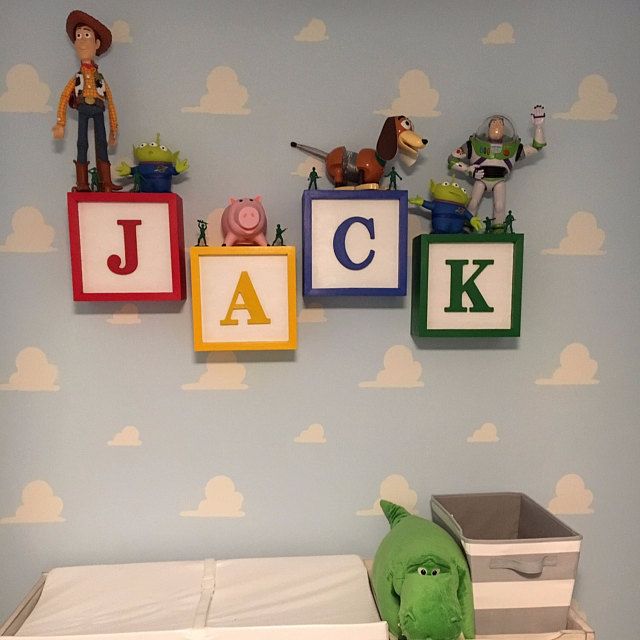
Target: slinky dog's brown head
399, 136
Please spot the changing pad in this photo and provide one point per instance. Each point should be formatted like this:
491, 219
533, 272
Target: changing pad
117, 598
171, 596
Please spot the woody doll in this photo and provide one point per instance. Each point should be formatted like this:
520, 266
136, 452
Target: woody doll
89, 93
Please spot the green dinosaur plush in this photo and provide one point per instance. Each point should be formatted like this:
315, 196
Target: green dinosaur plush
421, 580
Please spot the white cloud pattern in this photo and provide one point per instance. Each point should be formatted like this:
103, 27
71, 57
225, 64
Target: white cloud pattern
394, 488
33, 372
488, 432
595, 101
314, 434
225, 95
25, 93
577, 367
31, 234
39, 505
223, 373
502, 34
584, 237
315, 31
400, 370
127, 437
221, 500
417, 97
571, 497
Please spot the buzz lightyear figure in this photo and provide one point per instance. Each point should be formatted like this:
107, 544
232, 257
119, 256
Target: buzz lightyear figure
489, 155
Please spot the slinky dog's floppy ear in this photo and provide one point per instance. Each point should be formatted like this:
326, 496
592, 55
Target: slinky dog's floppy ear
387, 146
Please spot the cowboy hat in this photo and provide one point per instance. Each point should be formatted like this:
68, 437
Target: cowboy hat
80, 18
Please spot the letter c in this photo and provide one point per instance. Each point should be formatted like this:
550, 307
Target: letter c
339, 243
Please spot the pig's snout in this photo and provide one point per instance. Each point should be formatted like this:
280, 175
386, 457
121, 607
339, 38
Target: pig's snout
248, 218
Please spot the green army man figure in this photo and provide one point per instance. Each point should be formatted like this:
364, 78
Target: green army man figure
94, 179
202, 226
313, 179
279, 236
393, 175
508, 222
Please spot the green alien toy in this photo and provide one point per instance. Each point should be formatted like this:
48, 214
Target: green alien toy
448, 209
157, 164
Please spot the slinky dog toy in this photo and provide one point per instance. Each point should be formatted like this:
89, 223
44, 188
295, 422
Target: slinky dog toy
366, 166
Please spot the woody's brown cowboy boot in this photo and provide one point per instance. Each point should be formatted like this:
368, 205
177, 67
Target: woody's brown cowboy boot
104, 173
82, 176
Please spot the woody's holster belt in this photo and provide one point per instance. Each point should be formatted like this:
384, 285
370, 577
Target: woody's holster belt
98, 102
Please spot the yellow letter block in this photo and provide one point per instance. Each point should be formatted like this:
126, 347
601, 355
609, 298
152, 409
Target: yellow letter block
244, 298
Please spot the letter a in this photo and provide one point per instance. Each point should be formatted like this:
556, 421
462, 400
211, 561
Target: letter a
250, 303
114, 261
458, 287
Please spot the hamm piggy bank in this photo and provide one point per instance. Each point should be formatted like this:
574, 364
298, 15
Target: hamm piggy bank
244, 222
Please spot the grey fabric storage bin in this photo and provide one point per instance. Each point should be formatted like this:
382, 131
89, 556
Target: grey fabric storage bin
523, 560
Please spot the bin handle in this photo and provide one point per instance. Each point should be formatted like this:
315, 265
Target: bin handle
523, 564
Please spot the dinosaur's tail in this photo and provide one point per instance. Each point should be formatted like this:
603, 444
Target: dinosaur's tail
393, 512
310, 150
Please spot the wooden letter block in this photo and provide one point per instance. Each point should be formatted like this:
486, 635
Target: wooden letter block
243, 298
467, 285
354, 243
126, 246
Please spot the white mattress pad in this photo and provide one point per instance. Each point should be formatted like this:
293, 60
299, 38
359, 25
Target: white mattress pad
172, 596
117, 598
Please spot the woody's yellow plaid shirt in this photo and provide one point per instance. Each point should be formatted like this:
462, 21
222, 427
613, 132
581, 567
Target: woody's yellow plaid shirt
89, 93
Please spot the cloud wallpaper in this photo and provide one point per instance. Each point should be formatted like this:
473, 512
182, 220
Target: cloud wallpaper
119, 443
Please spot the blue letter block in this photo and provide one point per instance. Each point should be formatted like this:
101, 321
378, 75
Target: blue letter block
354, 243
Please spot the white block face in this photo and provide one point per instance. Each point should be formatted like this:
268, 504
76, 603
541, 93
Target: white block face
101, 237
222, 285
328, 271
494, 283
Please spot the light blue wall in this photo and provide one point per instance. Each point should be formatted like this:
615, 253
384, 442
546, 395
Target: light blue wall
123, 504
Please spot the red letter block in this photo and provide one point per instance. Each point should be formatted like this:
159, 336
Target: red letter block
126, 246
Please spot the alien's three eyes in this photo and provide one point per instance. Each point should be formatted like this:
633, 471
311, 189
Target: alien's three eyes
151, 144
453, 184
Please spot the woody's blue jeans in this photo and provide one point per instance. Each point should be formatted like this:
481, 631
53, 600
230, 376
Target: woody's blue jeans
93, 112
